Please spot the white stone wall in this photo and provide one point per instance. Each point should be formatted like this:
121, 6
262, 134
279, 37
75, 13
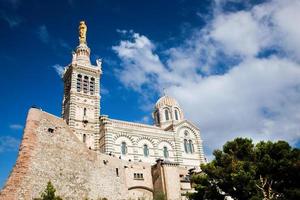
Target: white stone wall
135, 135
139, 187
189, 158
140, 150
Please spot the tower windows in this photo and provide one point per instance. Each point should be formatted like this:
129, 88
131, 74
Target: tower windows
167, 115
79, 82
85, 84
92, 86
176, 114
84, 138
123, 148
146, 150
166, 152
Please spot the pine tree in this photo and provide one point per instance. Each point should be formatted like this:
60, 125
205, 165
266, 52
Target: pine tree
245, 171
49, 193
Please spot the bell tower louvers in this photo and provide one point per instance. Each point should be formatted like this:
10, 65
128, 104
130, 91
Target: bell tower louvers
81, 101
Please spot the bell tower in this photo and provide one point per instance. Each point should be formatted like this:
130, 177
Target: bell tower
81, 101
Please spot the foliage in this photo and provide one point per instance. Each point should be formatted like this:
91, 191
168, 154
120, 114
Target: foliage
245, 171
49, 193
159, 196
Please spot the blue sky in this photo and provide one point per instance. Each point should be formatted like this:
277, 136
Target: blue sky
234, 66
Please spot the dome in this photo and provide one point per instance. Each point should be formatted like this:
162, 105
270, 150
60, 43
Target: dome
166, 101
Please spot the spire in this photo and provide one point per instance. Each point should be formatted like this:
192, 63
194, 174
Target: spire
82, 52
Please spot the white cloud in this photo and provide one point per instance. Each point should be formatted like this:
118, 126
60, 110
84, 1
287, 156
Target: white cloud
286, 30
139, 62
258, 99
257, 96
55, 43
43, 34
145, 120
64, 44
239, 33
16, 126
104, 91
59, 69
8, 143
12, 20
124, 32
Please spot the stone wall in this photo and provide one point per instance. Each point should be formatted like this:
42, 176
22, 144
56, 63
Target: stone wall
166, 179
51, 152
22, 166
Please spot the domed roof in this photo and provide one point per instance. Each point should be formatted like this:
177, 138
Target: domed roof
166, 101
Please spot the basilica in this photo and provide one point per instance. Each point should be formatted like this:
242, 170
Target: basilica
88, 155
171, 138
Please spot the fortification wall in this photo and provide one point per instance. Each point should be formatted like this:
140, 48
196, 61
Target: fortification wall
51, 152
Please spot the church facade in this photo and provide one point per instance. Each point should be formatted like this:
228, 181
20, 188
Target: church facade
171, 138
87, 155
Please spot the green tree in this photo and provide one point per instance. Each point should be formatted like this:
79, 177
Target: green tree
49, 193
202, 184
159, 196
245, 171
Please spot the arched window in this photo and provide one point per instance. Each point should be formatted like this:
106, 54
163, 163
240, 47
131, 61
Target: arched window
123, 148
166, 152
176, 114
79, 82
84, 112
186, 146
85, 84
167, 114
146, 150
191, 146
84, 138
157, 117
92, 86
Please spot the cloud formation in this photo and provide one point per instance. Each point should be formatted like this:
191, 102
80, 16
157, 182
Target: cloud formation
138, 58
238, 76
45, 37
16, 126
12, 20
43, 34
59, 69
8, 143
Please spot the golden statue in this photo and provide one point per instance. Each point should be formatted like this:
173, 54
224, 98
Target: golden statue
82, 32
